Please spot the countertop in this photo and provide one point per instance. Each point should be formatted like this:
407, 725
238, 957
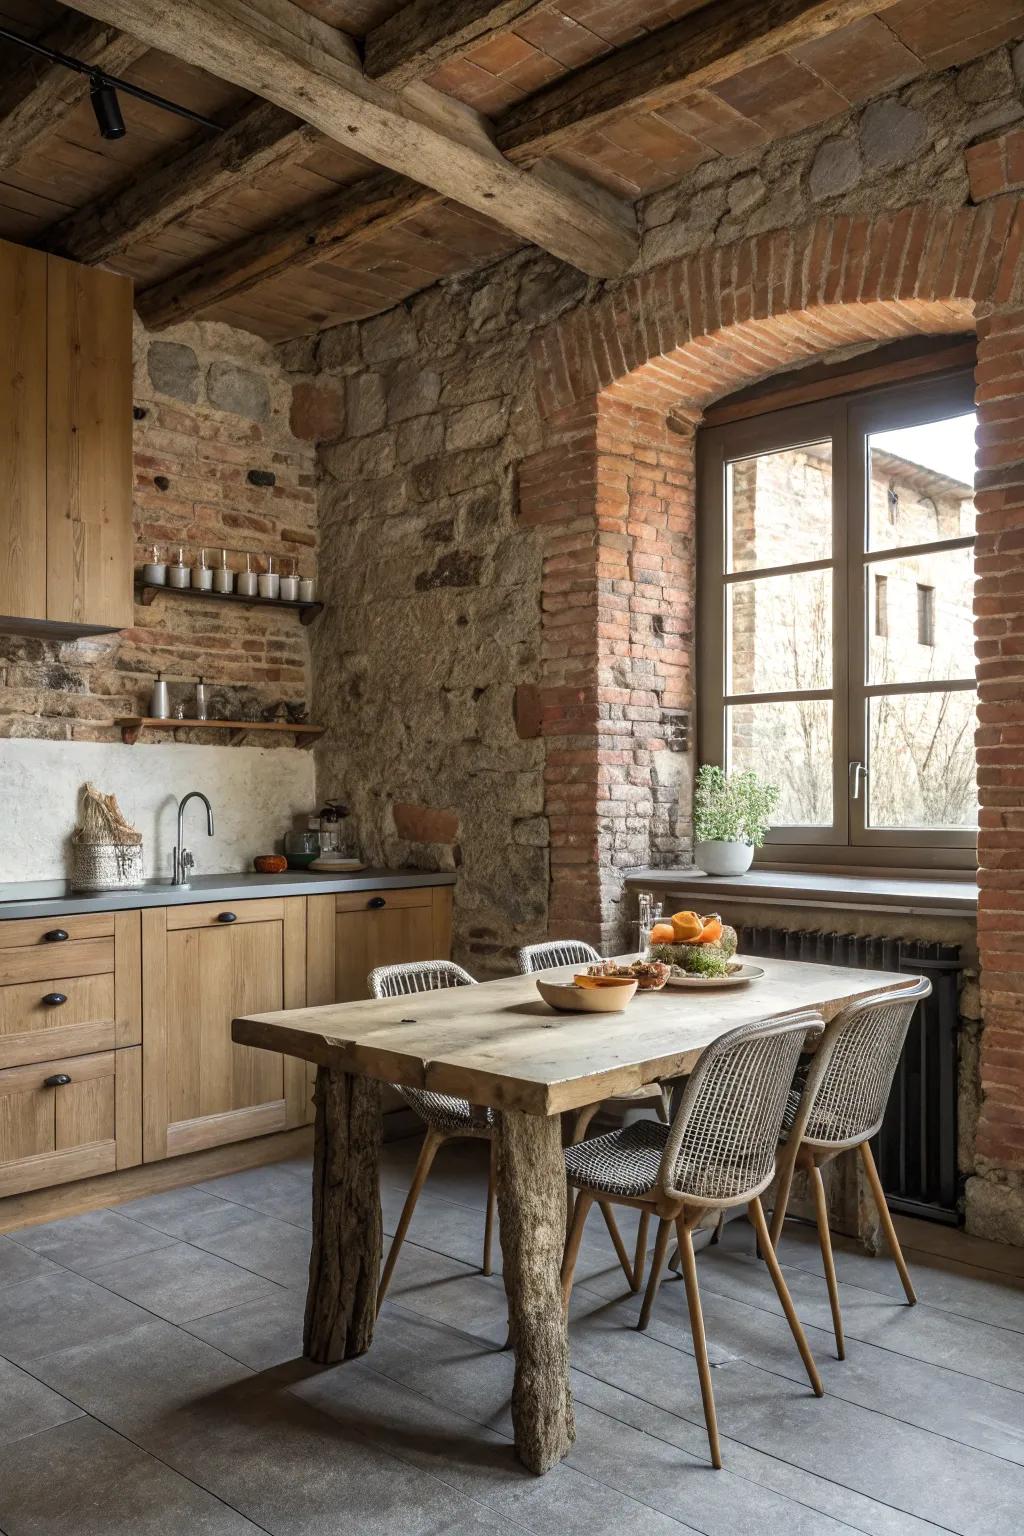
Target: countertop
941, 895
52, 898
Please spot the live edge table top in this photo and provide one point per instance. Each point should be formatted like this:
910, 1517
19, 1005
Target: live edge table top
499, 1044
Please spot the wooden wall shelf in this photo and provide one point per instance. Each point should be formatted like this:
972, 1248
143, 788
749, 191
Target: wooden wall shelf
146, 591
132, 726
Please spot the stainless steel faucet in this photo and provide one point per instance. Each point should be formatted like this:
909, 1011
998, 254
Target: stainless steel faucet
182, 861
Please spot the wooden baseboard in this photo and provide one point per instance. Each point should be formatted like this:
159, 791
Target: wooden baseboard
92, 1194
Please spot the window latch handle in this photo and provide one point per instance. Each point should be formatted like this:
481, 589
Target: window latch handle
858, 777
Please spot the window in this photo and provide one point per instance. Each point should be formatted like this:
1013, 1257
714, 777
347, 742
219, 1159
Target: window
925, 615
835, 620
881, 606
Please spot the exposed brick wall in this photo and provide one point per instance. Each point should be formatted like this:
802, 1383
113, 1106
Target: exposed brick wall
217, 463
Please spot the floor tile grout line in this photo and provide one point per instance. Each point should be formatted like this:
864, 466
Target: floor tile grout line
145, 1451
902, 1354
598, 1482
696, 1423
775, 1374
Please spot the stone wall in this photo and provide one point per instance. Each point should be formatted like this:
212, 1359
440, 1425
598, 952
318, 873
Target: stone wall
219, 462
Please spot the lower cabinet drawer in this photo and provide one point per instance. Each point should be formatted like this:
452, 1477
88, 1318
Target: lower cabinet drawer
69, 1118
59, 1016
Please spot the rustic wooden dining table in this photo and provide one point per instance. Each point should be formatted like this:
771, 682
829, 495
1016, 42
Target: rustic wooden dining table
498, 1044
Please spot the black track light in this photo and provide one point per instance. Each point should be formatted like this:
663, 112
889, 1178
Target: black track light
107, 109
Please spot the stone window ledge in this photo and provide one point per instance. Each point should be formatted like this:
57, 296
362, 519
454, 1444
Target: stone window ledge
870, 891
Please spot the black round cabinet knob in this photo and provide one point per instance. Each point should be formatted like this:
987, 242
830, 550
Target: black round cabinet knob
227, 917
58, 1080
54, 999
56, 936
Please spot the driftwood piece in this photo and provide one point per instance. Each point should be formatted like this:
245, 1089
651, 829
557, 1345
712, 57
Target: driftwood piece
531, 1206
344, 1261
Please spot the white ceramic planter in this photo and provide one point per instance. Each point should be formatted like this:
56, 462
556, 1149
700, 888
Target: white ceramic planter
717, 858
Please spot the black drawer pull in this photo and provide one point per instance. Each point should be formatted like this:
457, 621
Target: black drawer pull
377, 901
227, 917
55, 936
54, 999
58, 1080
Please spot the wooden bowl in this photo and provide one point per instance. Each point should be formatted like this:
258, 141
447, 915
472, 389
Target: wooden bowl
571, 999
270, 863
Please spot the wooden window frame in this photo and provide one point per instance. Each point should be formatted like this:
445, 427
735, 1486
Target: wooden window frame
847, 420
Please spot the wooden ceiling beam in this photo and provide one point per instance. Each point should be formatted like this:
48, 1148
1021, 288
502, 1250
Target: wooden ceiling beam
729, 37
40, 94
398, 53
423, 34
699, 51
261, 137
279, 52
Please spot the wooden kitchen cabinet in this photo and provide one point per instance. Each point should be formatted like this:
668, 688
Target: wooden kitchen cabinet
66, 541
202, 966
351, 933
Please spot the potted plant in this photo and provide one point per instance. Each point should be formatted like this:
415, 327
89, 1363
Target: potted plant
731, 815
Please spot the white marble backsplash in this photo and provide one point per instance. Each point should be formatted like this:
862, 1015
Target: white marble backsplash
256, 795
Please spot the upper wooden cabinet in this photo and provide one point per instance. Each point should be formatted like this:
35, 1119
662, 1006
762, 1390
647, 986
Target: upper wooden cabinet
65, 444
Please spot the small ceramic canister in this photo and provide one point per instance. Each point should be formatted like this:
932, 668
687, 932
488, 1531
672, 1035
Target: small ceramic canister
290, 587
202, 576
223, 576
270, 581
247, 583
154, 572
307, 589
178, 573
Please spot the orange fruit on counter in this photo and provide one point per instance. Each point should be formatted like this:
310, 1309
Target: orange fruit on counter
687, 927
711, 931
662, 933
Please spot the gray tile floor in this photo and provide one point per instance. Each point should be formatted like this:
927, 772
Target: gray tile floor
151, 1381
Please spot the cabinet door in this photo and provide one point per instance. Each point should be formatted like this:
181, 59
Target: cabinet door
88, 446
22, 433
69, 1119
201, 1089
352, 933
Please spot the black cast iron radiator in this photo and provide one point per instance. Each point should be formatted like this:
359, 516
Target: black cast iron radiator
916, 1149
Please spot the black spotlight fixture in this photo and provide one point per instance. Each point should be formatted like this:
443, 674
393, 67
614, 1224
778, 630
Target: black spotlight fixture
107, 108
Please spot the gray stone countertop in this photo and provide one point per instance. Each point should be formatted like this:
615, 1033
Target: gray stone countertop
826, 888
52, 898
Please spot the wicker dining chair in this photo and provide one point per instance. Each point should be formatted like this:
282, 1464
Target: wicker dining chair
719, 1152
446, 1117
840, 1106
545, 957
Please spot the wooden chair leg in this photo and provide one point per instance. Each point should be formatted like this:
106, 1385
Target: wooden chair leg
700, 1343
584, 1200
616, 1237
886, 1220
825, 1243
492, 1201
664, 1106
640, 1252
583, 1120
787, 1163
756, 1211
665, 1226
431, 1141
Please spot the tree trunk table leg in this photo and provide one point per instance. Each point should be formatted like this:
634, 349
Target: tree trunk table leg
531, 1205
344, 1261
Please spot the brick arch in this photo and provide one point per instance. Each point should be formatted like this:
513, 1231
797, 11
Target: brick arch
622, 384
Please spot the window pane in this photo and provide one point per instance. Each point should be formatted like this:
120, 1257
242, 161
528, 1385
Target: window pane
789, 745
921, 483
779, 507
921, 760
920, 618
780, 633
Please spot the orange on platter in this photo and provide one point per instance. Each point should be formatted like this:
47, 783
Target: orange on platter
662, 933
687, 927
712, 930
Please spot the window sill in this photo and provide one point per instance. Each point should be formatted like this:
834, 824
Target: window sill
868, 891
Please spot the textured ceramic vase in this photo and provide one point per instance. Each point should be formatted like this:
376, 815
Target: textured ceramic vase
718, 858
